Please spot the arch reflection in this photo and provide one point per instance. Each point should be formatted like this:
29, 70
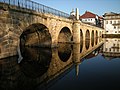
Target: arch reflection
64, 51
35, 61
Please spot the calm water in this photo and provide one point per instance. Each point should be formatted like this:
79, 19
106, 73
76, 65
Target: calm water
69, 67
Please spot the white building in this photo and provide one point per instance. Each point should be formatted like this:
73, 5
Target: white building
91, 18
112, 23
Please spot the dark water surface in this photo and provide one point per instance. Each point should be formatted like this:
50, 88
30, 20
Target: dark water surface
68, 67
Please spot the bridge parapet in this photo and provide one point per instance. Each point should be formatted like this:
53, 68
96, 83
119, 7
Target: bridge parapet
31, 5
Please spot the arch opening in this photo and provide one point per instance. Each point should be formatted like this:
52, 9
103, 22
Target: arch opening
81, 40
92, 38
96, 39
65, 35
87, 39
36, 35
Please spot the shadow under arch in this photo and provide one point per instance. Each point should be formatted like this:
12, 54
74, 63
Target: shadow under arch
96, 39
36, 35
64, 51
87, 39
81, 40
35, 61
92, 38
65, 35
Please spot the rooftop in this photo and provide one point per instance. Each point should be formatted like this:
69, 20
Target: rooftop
88, 14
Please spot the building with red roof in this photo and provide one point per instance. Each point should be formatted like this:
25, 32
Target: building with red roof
91, 18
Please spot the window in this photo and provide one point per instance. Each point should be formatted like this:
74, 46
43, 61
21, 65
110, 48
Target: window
110, 22
114, 45
117, 49
105, 49
106, 22
118, 27
119, 22
110, 49
114, 27
117, 45
114, 22
113, 49
115, 31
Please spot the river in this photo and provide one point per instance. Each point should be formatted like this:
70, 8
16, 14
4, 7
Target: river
82, 66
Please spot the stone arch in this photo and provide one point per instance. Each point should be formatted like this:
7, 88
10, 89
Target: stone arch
36, 35
81, 40
65, 35
96, 39
92, 38
87, 39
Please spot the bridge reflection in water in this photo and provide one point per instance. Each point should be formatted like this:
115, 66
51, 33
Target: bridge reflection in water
41, 68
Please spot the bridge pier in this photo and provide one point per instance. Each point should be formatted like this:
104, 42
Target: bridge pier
76, 31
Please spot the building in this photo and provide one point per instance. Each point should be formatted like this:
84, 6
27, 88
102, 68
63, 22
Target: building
72, 14
92, 19
112, 23
111, 48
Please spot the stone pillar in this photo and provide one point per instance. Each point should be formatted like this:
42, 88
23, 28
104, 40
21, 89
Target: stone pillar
76, 57
76, 31
76, 53
77, 14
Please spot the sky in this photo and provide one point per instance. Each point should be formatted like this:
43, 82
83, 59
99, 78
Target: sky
98, 7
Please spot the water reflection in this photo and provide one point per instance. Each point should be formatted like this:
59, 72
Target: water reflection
41, 68
64, 51
111, 48
36, 61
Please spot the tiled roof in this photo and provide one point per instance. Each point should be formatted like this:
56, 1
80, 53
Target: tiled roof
88, 15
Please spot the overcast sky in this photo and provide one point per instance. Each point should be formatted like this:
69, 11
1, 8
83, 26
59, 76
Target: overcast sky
96, 6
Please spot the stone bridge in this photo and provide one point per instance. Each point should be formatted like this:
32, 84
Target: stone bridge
27, 23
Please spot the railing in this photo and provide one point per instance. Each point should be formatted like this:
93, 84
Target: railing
28, 4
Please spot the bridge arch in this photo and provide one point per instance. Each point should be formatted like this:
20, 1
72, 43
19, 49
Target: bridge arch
36, 34
87, 39
65, 35
92, 38
96, 39
81, 40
